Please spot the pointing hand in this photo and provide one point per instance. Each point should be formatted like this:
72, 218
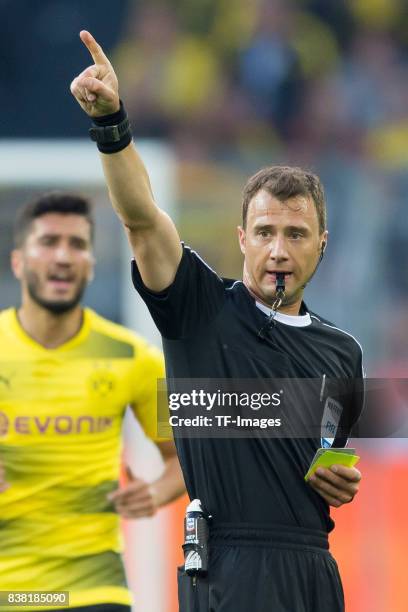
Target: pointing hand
96, 88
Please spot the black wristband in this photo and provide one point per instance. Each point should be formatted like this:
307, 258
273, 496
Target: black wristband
112, 132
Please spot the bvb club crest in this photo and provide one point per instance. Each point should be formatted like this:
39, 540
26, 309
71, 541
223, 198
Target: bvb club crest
102, 382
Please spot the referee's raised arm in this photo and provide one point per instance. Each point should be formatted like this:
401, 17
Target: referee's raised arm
152, 234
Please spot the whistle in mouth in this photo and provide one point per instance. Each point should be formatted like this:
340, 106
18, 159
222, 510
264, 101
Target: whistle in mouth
280, 282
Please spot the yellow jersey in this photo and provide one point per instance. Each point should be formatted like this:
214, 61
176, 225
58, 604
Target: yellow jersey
61, 415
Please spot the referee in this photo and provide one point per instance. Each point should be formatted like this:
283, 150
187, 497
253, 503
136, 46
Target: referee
269, 529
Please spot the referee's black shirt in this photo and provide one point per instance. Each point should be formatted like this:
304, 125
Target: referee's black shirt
210, 330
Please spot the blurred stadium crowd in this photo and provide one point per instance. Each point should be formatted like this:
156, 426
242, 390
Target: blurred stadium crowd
233, 86
308, 74
320, 83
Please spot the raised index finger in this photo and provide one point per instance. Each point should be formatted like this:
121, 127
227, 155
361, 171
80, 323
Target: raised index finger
94, 49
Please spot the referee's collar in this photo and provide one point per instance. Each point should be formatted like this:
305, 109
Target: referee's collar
293, 320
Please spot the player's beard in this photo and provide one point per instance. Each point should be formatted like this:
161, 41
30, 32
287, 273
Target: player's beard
56, 307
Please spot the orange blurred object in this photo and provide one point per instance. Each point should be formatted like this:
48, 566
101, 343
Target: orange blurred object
371, 538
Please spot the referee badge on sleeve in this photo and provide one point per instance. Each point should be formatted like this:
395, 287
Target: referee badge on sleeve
330, 421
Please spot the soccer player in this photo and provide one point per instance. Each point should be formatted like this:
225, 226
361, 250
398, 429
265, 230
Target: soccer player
269, 528
66, 377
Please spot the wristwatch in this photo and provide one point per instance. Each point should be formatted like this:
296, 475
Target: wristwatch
109, 133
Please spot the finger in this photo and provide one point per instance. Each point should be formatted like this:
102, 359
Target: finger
338, 482
328, 475
95, 86
91, 71
135, 512
133, 491
130, 497
136, 487
94, 49
78, 92
332, 501
351, 474
324, 487
4, 486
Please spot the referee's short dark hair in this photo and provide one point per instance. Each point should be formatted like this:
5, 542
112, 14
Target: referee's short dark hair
63, 203
286, 182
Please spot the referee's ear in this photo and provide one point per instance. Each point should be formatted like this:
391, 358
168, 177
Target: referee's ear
241, 238
323, 244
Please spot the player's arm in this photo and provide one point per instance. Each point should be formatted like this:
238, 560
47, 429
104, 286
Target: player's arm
151, 232
170, 484
337, 485
137, 498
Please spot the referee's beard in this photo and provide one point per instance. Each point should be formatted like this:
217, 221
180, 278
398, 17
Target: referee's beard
55, 307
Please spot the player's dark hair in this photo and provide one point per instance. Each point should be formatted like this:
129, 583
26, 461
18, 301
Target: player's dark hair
63, 203
284, 182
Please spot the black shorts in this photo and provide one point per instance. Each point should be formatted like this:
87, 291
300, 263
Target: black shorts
265, 570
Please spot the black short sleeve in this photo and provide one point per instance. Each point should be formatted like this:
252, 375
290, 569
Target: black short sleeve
355, 400
193, 299
359, 395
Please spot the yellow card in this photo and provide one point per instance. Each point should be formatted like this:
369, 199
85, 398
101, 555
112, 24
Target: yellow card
327, 458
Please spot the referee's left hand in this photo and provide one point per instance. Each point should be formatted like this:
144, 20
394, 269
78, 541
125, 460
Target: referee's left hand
337, 485
136, 499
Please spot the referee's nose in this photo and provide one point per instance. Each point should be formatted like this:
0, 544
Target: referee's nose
277, 249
